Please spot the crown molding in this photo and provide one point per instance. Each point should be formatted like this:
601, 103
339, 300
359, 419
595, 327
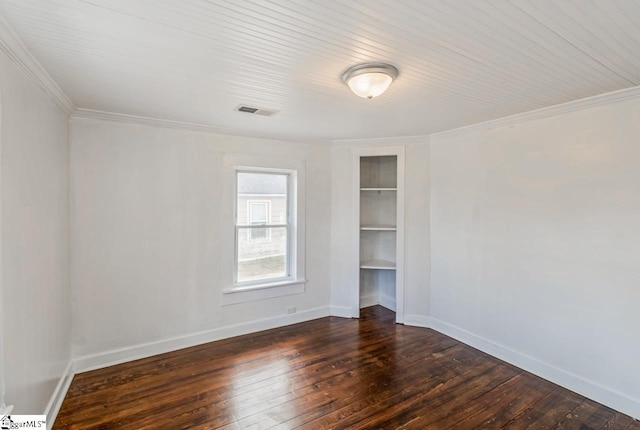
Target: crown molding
13, 47
568, 107
144, 120
184, 125
545, 112
382, 141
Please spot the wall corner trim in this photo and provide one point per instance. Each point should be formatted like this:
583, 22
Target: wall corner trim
53, 407
576, 383
17, 52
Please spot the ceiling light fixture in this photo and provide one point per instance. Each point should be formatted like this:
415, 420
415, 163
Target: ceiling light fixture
369, 80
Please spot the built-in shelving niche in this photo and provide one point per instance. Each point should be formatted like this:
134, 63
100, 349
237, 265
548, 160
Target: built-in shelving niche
378, 230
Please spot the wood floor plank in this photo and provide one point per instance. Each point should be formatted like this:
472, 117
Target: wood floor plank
330, 373
300, 388
547, 412
618, 420
328, 390
381, 384
589, 415
495, 408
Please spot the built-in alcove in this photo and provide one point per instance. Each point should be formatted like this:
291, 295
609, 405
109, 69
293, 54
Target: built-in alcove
378, 224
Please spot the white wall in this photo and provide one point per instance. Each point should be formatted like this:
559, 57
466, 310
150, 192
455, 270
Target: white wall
344, 280
417, 234
35, 279
343, 285
535, 240
146, 232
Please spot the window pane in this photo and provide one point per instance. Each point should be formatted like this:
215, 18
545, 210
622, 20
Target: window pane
261, 253
266, 188
258, 234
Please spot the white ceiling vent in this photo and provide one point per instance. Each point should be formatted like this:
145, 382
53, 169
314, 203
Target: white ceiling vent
256, 110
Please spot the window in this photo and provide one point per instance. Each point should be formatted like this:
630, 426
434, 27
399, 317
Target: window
259, 214
263, 225
265, 243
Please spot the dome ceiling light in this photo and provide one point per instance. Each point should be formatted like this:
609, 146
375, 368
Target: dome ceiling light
369, 80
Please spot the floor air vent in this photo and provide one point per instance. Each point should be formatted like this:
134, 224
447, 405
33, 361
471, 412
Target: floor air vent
255, 110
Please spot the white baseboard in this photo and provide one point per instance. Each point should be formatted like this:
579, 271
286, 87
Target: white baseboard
417, 320
53, 407
383, 300
341, 311
388, 302
135, 352
369, 300
580, 385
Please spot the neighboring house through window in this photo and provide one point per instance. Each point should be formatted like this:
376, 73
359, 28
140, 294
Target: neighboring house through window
263, 225
259, 214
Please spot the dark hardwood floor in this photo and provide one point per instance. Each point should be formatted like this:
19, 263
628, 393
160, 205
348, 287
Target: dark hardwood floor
331, 373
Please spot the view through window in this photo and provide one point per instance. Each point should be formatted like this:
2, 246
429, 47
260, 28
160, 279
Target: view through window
262, 226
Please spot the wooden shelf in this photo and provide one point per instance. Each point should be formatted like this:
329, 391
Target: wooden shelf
378, 227
378, 264
378, 189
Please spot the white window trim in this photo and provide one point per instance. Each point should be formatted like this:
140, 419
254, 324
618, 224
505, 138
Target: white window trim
233, 292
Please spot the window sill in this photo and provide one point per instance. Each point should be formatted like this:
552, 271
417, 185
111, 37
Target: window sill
267, 290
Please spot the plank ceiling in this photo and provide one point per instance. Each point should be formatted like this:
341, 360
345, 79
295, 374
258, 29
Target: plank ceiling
461, 62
